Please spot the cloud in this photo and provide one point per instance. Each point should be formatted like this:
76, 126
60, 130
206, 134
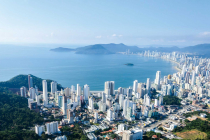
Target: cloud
205, 33
98, 36
120, 35
52, 34
114, 35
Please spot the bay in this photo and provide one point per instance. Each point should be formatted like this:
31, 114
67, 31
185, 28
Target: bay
71, 69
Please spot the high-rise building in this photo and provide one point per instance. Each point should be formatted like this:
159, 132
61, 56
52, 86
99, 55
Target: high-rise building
187, 77
86, 92
32, 93
193, 78
64, 106
53, 87
157, 80
52, 127
96, 115
109, 102
121, 99
78, 90
22, 92
120, 90
164, 89
90, 107
102, 106
125, 105
109, 116
129, 92
72, 89
156, 103
103, 97
67, 92
109, 87
70, 116
60, 101
161, 100
148, 85
121, 127
39, 129
135, 84
29, 81
45, 94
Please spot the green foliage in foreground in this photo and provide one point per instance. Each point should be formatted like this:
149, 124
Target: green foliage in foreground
203, 126
171, 100
15, 116
74, 133
18, 135
22, 80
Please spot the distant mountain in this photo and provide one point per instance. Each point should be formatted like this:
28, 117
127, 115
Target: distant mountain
114, 48
61, 49
201, 49
93, 49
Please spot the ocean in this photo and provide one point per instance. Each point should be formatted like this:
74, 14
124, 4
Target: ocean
69, 68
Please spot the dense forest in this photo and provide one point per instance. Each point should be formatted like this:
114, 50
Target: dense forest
22, 80
16, 118
171, 100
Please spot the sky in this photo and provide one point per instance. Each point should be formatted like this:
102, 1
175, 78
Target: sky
84, 22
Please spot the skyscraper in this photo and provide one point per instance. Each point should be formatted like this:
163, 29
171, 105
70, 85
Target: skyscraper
45, 94
52, 127
135, 84
193, 78
148, 85
78, 90
39, 129
157, 80
31, 82
187, 77
109, 87
90, 107
86, 91
103, 97
70, 116
53, 87
125, 103
109, 115
64, 106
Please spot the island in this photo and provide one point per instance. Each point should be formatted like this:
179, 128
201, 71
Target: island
129, 64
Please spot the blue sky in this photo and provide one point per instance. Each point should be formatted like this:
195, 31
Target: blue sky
83, 22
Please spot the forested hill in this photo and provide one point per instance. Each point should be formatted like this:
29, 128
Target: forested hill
16, 118
22, 80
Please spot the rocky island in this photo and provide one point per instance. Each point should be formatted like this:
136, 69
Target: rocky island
129, 64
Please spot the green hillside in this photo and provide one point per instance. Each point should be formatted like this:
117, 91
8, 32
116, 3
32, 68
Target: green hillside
16, 118
22, 80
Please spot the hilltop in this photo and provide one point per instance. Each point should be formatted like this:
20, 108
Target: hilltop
22, 80
93, 49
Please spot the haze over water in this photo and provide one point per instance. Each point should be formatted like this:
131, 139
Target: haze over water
71, 69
